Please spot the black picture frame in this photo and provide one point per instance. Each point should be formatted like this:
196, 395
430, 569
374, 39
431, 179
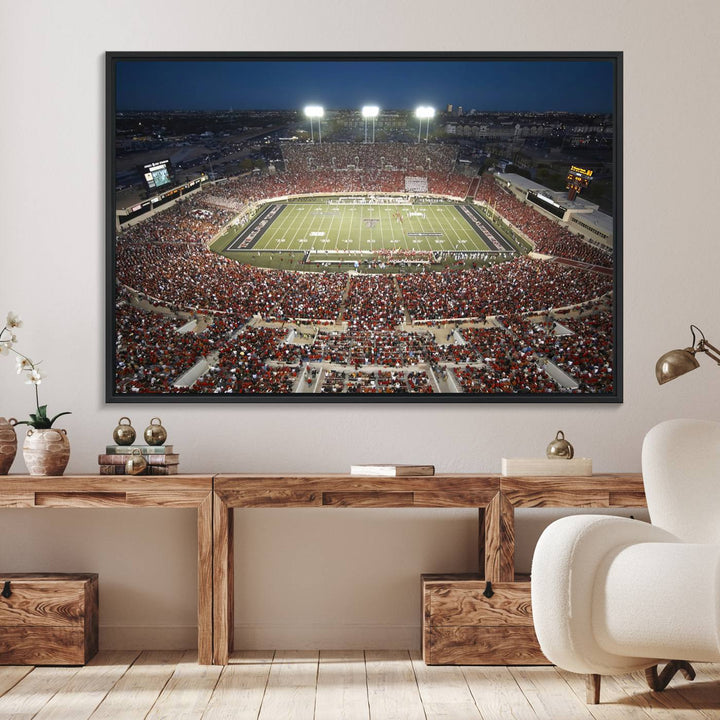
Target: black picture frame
129, 313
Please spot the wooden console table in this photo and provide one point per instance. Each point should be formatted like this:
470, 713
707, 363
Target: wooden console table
126, 491
495, 497
215, 497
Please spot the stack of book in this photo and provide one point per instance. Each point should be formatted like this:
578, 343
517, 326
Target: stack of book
160, 459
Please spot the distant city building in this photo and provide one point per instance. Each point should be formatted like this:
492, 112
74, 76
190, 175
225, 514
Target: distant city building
449, 108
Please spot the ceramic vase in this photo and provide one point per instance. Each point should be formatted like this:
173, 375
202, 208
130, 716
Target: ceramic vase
47, 451
8, 444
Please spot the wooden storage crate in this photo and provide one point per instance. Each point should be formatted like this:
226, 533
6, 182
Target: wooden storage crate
48, 618
461, 626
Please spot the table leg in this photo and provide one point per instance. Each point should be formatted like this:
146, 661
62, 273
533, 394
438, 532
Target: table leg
499, 518
205, 579
481, 541
223, 581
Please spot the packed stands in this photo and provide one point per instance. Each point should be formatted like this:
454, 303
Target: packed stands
548, 237
385, 345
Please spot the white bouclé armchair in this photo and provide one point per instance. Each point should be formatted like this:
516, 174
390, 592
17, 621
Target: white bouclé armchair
613, 595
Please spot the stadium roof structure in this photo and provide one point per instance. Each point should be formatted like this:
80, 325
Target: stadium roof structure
579, 211
559, 196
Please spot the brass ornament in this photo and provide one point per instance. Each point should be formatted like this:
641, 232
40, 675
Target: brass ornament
124, 433
560, 448
136, 463
155, 433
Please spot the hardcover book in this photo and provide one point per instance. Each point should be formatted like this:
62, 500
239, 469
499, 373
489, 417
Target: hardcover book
149, 470
144, 449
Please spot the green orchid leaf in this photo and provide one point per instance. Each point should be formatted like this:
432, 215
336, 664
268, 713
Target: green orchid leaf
67, 412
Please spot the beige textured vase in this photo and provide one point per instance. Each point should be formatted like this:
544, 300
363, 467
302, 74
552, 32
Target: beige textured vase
8, 444
46, 452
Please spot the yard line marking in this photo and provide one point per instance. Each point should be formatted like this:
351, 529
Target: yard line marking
382, 235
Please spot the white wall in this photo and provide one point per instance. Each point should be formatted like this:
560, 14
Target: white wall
331, 578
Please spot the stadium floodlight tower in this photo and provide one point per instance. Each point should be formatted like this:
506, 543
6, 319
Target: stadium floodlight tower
424, 112
314, 111
370, 111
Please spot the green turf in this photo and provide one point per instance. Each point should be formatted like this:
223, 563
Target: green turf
354, 232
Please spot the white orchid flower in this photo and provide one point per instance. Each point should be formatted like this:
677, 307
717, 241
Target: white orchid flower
13, 320
35, 377
29, 370
23, 364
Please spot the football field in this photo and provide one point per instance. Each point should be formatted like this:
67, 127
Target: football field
363, 229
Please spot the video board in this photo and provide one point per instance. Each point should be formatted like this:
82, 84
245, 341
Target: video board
157, 174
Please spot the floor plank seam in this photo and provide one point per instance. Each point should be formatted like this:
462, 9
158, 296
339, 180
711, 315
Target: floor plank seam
367, 685
417, 684
265, 687
19, 680
472, 694
317, 680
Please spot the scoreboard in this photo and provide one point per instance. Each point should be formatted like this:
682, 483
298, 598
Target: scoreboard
577, 180
157, 174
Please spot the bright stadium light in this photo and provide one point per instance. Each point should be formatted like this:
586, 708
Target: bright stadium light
370, 111
314, 111
424, 112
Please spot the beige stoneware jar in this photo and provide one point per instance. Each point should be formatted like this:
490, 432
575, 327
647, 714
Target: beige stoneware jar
8, 444
46, 451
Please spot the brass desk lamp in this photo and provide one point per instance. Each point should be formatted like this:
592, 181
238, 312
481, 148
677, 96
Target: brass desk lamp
677, 362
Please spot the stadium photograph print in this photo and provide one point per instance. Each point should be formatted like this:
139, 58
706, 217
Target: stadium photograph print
368, 226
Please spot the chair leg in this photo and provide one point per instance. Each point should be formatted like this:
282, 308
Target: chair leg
592, 689
660, 682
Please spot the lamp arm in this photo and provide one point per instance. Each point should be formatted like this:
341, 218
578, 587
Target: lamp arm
710, 350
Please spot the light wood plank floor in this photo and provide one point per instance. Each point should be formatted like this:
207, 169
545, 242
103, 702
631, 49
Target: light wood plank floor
350, 685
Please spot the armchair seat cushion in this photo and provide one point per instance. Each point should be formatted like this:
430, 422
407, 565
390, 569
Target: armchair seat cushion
659, 600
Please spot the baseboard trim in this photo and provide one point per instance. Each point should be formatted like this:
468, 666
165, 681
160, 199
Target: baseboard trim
150, 637
327, 637
265, 636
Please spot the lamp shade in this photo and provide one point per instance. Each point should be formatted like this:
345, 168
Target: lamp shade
675, 363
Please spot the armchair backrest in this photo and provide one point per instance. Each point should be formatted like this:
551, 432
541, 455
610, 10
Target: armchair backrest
681, 472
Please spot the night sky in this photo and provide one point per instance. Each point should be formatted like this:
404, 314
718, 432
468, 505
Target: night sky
487, 85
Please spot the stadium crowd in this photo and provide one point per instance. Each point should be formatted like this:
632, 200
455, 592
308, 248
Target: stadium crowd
150, 352
382, 381
585, 352
519, 286
242, 366
388, 348
431, 157
165, 261
507, 368
372, 303
191, 220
